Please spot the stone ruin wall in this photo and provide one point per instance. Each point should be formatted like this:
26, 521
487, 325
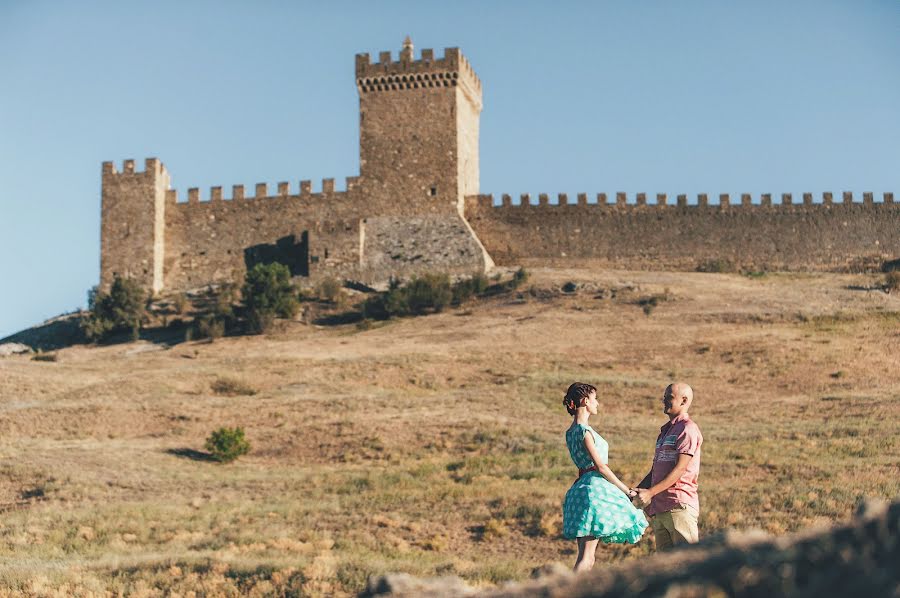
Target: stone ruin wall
764, 236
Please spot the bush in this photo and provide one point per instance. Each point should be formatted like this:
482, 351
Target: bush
122, 309
180, 303
479, 282
570, 287
209, 326
330, 290
519, 278
227, 444
717, 266
232, 387
892, 281
268, 293
467, 288
429, 292
890, 266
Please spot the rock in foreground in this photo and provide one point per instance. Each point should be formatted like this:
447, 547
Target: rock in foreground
861, 558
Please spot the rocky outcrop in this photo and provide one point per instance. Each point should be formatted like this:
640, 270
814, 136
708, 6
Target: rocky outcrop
7, 349
861, 558
56, 333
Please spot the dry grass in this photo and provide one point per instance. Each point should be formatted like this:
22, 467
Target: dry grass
434, 445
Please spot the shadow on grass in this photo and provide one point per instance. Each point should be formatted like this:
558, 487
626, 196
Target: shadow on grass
347, 317
188, 453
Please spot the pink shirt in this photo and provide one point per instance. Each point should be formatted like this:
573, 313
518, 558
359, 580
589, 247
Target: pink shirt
681, 436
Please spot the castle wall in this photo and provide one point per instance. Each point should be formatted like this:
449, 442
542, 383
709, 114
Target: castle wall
214, 241
414, 209
788, 236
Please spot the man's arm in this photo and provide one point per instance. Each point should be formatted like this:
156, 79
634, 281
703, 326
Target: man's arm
644, 495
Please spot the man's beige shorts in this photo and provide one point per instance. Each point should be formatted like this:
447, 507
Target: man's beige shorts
678, 526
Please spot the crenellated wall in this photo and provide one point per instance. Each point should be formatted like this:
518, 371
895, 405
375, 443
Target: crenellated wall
216, 240
642, 235
415, 208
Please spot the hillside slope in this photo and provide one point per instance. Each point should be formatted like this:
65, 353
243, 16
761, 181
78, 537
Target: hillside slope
433, 445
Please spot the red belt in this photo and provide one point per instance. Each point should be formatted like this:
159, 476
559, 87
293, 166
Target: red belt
581, 472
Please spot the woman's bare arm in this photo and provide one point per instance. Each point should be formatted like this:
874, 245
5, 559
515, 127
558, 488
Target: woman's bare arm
602, 468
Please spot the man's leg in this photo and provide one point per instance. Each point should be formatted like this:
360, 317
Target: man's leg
662, 530
684, 525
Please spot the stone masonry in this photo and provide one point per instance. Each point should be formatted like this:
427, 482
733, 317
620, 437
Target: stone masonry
415, 207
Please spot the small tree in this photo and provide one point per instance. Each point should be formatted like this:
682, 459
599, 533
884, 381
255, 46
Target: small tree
268, 293
227, 444
120, 310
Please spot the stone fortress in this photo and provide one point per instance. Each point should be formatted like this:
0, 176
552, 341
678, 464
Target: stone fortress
416, 207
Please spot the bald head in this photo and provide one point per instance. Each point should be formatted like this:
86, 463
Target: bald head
677, 399
680, 390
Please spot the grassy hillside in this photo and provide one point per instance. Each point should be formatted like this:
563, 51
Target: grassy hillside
435, 444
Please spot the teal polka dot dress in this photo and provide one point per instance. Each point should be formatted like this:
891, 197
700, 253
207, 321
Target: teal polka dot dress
593, 506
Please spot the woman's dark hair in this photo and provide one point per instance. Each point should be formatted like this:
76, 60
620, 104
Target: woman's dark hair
576, 396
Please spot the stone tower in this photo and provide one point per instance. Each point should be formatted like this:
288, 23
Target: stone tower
418, 130
402, 216
133, 225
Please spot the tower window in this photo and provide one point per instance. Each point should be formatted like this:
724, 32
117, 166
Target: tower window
433, 191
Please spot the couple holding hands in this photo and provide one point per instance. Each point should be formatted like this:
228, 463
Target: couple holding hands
600, 508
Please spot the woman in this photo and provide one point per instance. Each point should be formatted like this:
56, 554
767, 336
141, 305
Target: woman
597, 507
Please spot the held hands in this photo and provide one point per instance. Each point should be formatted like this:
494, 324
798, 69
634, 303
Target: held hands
640, 497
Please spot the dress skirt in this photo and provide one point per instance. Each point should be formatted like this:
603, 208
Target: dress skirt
594, 507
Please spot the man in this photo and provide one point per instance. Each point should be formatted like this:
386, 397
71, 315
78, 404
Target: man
669, 492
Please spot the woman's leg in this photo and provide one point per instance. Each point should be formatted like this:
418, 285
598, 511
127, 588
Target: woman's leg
587, 546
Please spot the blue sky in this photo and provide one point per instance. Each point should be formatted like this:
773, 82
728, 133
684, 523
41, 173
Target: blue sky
650, 96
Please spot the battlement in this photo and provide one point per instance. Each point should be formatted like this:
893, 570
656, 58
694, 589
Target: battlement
151, 165
408, 73
261, 191
663, 201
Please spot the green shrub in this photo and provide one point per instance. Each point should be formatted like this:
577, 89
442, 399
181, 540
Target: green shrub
467, 288
232, 387
120, 310
428, 292
209, 326
892, 281
479, 282
180, 303
570, 287
431, 292
223, 303
330, 290
519, 278
227, 444
462, 292
268, 293
717, 266
890, 266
